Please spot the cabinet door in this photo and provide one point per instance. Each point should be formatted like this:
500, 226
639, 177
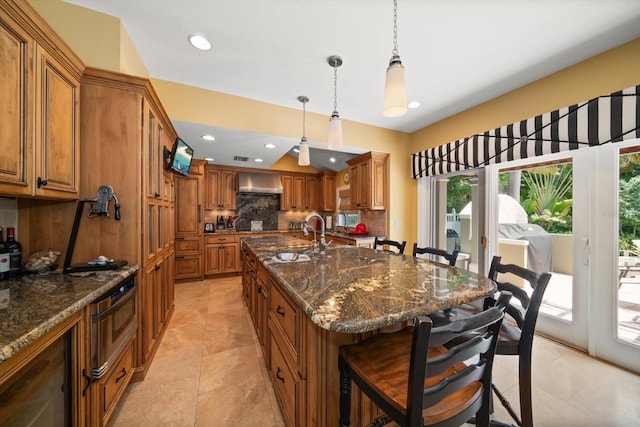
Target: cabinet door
146, 316
16, 109
188, 208
57, 128
354, 186
327, 193
286, 199
229, 258
311, 193
212, 259
364, 185
188, 266
227, 194
168, 284
211, 188
378, 184
298, 192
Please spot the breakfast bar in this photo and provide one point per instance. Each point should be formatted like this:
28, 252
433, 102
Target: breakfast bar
305, 308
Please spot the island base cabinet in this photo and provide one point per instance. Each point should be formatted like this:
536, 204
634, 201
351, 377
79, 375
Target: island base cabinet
287, 386
303, 366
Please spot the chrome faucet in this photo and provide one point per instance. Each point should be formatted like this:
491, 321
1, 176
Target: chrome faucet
323, 242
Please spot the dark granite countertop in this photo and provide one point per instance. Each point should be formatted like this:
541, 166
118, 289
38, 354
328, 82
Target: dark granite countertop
328, 233
352, 289
33, 304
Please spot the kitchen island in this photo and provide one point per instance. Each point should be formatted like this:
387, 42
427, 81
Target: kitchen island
304, 310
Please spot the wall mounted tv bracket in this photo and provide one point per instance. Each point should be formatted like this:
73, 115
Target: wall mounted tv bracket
99, 207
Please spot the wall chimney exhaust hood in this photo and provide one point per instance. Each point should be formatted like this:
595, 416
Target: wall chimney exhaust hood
260, 183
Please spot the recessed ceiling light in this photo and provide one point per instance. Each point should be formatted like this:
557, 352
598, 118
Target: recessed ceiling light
208, 137
258, 160
199, 42
270, 145
414, 104
296, 150
332, 159
209, 159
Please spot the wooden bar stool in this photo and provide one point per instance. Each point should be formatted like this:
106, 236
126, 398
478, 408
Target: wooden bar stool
424, 376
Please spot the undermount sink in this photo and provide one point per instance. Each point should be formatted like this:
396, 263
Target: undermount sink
291, 256
287, 256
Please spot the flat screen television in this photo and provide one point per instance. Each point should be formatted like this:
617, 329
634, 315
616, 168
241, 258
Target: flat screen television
180, 157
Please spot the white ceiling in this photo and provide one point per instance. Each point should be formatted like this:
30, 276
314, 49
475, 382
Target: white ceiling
457, 53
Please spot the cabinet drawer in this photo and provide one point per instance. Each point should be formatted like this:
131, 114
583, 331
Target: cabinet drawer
263, 275
188, 245
213, 240
285, 383
285, 314
113, 385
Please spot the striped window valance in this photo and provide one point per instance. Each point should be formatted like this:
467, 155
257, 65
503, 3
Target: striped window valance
608, 118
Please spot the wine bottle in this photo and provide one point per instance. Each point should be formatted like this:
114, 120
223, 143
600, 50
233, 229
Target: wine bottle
15, 253
4, 257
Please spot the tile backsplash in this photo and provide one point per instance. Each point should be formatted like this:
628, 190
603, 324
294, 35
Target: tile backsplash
257, 211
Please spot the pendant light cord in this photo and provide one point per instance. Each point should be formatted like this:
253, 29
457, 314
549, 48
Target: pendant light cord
304, 113
394, 52
335, 89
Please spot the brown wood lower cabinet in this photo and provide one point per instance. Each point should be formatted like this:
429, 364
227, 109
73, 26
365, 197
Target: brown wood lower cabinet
111, 387
221, 254
301, 357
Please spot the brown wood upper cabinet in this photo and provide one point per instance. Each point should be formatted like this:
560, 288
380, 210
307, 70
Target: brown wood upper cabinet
308, 192
368, 173
327, 191
220, 188
40, 94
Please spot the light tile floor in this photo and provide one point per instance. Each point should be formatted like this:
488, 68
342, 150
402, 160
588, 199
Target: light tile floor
209, 371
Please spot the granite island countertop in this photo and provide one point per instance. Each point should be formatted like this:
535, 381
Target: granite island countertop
352, 289
36, 303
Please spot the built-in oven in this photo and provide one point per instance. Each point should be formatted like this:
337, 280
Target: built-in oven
113, 323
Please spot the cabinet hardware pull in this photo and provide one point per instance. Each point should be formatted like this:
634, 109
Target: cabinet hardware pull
179, 238
157, 195
42, 182
89, 381
121, 375
259, 289
278, 376
280, 311
157, 267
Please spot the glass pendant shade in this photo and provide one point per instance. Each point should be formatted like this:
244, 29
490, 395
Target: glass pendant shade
303, 155
335, 132
395, 93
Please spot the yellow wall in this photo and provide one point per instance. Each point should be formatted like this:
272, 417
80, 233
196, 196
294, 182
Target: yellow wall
608, 72
288, 163
102, 42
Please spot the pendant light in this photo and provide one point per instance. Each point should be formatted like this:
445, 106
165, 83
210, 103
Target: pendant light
395, 92
303, 155
335, 123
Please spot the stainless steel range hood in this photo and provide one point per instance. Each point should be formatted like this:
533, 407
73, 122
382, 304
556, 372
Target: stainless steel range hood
260, 183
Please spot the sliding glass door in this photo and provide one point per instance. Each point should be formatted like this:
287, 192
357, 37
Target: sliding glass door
541, 223
615, 260
575, 214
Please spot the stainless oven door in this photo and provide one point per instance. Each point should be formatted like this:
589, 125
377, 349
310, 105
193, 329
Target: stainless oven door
113, 323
